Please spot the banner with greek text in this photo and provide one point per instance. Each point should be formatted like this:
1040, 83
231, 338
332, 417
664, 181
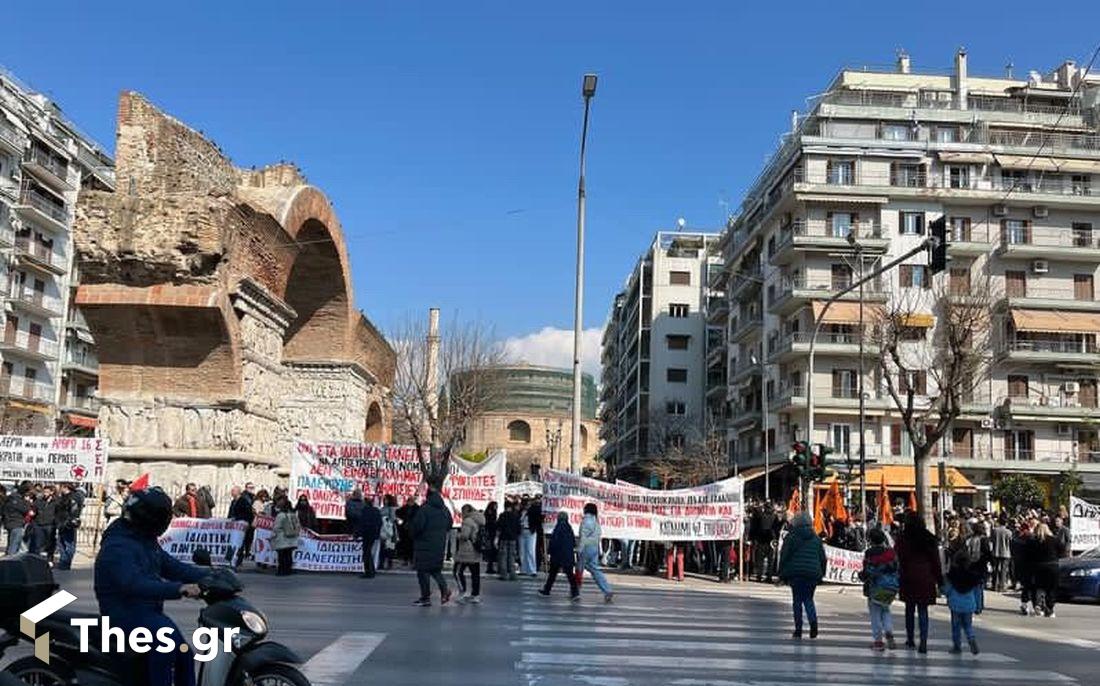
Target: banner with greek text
315, 552
842, 566
710, 512
222, 537
519, 489
1084, 524
327, 473
53, 458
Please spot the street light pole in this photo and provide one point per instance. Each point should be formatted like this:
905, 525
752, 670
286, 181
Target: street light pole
588, 89
862, 397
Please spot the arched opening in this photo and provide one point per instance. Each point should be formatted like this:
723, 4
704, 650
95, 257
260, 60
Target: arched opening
316, 291
373, 432
519, 431
584, 438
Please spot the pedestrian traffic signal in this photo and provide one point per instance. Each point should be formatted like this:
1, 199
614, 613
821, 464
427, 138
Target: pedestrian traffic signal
937, 252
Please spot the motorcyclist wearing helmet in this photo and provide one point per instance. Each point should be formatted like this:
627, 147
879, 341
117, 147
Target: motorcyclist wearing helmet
134, 576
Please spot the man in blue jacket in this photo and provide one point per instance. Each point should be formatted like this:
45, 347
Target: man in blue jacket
134, 576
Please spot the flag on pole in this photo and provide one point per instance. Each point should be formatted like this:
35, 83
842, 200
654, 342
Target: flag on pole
885, 512
819, 509
836, 504
913, 501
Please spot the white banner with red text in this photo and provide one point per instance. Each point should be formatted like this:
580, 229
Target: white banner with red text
222, 537
327, 473
842, 566
53, 458
315, 552
1084, 524
711, 512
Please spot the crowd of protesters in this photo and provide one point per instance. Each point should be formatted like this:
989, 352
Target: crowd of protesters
42, 519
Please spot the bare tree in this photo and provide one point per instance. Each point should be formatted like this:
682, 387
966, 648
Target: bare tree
930, 378
437, 396
680, 454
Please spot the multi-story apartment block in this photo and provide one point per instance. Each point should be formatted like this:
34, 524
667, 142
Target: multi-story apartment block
49, 376
1013, 164
654, 383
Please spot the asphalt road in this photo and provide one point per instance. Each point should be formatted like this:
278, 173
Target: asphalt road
355, 631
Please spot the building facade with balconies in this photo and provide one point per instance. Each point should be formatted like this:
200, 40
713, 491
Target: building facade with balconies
49, 371
665, 327
1013, 165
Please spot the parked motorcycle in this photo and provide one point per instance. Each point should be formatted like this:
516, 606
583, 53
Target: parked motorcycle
251, 662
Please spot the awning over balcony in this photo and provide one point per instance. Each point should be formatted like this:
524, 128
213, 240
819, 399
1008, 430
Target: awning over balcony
847, 312
15, 121
903, 478
81, 421
1050, 164
966, 157
1056, 322
844, 199
918, 320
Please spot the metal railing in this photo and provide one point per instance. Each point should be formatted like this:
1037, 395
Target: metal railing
9, 134
924, 101
44, 204
37, 298
826, 285
1050, 184
1044, 140
32, 344
90, 361
83, 402
44, 159
27, 389
1083, 346
40, 252
1067, 294
1049, 237
821, 228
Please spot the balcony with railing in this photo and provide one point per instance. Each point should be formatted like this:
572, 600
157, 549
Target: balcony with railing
82, 404
745, 413
796, 292
1046, 184
78, 358
1048, 142
1020, 239
23, 388
43, 209
746, 324
34, 254
825, 235
48, 168
744, 368
35, 302
23, 344
1062, 296
1073, 349
827, 396
12, 140
746, 281
966, 238
1053, 407
795, 345
718, 308
1010, 109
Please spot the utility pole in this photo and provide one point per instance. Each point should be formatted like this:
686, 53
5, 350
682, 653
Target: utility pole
588, 89
432, 374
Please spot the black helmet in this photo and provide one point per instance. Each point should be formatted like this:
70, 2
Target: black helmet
149, 511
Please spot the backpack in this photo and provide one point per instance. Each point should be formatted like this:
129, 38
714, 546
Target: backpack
481, 540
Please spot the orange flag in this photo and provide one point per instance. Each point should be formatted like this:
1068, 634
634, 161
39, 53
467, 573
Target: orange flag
794, 505
913, 501
836, 503
819, 521
885, 512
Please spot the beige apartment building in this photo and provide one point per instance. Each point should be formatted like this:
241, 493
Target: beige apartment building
1013, 164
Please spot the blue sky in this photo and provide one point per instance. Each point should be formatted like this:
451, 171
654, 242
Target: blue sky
445, 133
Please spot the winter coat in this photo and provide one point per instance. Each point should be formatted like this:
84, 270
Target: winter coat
471, 525
508, 525
369, 524
563, 545
241, 508
960, 601
802, 557
1001, 542
590, 533
285, 530
429, 530
133, 577
880, 574
306, 516
919, 567
963, 571
69, 508
534, 518
186, 506
16, 508
353, 512
45, 511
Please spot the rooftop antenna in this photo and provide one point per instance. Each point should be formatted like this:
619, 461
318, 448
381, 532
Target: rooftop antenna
1008, 69
680, 224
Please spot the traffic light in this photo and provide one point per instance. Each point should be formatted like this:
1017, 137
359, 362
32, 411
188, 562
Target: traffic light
937, 252
799, 457
819, 460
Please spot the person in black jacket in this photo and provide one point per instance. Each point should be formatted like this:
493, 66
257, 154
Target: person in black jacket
490, 553
44, 525
368, 529
534, 523
70, 505
240, 510
429, 528
508, 530
16, 508
1042, 553
563, 553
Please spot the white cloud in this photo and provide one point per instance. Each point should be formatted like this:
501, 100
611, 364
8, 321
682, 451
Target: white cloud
552, 347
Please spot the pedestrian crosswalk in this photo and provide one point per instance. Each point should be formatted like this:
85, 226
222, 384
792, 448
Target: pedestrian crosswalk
650, 637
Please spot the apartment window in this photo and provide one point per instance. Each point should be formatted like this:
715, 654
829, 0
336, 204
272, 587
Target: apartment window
675, 441
1017, 386
960, 229
841, 276
908, 175
958, 176
845, 383
915, 380
519, 431
961, 442
911, 223
678, 341
897, 132
675, 375
1020, 445
1015, 284
675, 407
840, 224
1016, 179
679, 278
913, 276
842, 438
1016, 231
1082, 287
1081, 184
1082, 235
913, 333
841, 172
678, 310
959, 281
946, 134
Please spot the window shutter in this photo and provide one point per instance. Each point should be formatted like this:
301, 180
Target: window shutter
922, 382
1027, 231
829, 231
903, 382
935, 445
920, 224
895, 439
1010, 445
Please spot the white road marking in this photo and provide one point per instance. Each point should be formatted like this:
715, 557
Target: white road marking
861, 637
339, 660
965, 671
665, 619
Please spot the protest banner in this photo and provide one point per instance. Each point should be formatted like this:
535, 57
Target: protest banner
1084, 524
709, 512
315, 552
327, 473
53, 458
843, 566
520, 489
222, 537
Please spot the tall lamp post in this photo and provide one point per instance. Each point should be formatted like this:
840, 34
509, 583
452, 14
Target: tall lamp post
553, 440
588, 89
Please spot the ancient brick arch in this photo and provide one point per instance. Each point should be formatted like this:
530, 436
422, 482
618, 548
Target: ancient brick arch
222, 302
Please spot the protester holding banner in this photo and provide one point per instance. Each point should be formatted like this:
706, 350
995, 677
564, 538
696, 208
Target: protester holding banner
920, 576
368, 529
802, 566
590, 549
429, 529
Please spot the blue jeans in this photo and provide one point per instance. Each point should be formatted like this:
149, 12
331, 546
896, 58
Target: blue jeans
881, 622
979, 597
802, 596
66, 542
527, 552
590, 560
921, 612
15, 540
961, 622
627, 557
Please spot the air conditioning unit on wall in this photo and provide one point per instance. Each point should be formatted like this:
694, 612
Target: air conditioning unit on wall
987, 422
1071, 387
1040, 211
1040, 266
1065, 430
1000, 210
